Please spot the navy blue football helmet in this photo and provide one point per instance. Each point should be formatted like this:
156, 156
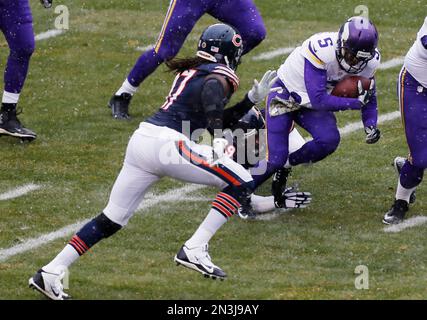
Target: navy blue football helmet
221, 43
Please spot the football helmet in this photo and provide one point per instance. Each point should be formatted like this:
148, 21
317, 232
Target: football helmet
221, 43
247, 138
357, 44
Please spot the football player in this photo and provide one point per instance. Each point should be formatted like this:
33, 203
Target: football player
412, 93
305, 81
180, 19
16, 23
162, 147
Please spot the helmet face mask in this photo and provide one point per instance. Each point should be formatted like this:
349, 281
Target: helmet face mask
221, 43
357, 43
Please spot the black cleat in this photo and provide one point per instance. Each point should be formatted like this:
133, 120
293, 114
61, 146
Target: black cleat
397, 212
198, 259
398, 164
278, 186
120, 106
11, 126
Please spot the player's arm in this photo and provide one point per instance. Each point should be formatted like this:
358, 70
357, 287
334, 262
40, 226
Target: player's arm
255, 96
316, 83
214, 97
370, 117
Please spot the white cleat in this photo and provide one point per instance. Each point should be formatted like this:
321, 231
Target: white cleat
49, 284
198, 259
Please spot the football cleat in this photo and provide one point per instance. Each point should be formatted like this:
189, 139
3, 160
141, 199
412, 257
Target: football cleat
198, 259
398, 165
246, 212
278, 186
49, 284
11, 126
291, 198
120, 106
397, 212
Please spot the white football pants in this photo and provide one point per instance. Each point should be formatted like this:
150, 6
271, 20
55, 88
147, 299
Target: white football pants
154, 152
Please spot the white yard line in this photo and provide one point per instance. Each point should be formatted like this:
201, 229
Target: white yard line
392, 63
352, 127
173, 196
273, 54
143, 49
19, 192
49, 34
409, 223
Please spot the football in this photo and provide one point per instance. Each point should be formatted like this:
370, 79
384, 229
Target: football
347, 88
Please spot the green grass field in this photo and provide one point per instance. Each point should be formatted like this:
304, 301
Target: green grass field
306, 254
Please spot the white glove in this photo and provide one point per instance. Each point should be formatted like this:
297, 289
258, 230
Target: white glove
365, 95
260, 90
219, 145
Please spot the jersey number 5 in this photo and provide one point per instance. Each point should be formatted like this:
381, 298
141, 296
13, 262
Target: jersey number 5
326, 43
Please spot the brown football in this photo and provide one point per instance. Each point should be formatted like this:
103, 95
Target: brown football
347, 87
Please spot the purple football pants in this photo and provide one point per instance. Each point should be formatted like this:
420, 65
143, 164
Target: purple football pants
413, 107
180, 19
16, 23
322, 126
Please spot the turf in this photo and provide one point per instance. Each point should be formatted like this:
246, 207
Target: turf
306, 254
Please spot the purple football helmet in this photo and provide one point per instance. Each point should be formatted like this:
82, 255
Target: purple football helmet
357, 44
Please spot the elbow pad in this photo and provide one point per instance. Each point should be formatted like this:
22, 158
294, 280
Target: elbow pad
213, 102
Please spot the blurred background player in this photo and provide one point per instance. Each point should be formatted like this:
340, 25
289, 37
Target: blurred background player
16, 23
305, 80
180, 19
159, 148
413, 106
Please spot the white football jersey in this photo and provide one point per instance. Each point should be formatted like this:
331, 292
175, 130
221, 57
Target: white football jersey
320, 51
416, 59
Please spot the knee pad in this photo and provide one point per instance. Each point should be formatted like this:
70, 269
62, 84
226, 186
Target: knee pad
99, 228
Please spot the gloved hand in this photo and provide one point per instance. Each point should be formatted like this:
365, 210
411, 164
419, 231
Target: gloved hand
365, 95
260, 90
46, 3
292, 198
373, 134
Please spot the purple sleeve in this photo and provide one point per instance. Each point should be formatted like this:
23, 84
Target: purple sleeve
370, 111
315, 83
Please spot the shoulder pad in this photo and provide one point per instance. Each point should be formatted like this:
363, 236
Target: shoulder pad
374, 64
229, 74
320, 49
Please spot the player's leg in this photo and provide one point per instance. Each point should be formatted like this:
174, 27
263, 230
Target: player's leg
322, 126
180, 19
245, 17
413, 105
127, 193
236, 187
17, 28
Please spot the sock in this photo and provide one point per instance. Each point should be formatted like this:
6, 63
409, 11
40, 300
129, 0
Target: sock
207, 229
10, 97
64, 259
127, 88
402, 193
